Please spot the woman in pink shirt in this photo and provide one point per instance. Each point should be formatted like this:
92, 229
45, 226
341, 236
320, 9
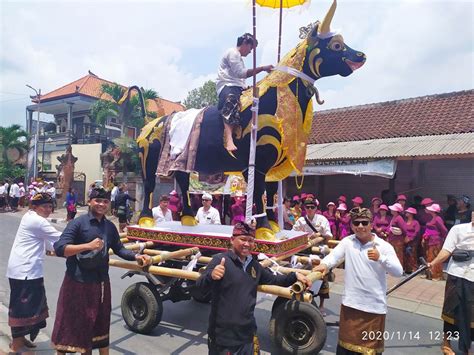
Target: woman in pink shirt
343, 221
376, 202
397, 231
411, 241
330, 214
238, 210
433, 239
381, 222
174, 205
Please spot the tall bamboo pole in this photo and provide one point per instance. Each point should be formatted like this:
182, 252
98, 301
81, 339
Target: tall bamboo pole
136, 246
171, 255
299, 287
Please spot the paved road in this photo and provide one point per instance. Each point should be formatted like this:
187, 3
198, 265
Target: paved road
183, 327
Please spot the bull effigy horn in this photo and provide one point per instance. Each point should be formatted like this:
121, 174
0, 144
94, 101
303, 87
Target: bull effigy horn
325, 26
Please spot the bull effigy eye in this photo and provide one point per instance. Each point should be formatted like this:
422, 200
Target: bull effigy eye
336, 46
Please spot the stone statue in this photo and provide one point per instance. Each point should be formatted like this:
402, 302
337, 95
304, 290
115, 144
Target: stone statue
110, 161
65, 171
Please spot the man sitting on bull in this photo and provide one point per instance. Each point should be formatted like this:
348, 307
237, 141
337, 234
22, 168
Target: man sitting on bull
230, 83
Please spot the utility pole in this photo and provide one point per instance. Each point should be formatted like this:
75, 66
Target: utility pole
35, 161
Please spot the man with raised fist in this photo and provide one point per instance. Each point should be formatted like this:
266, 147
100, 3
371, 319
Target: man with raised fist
364, 303
233, 277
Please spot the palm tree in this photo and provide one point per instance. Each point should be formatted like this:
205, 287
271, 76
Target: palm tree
129, 114
128, 155
13, 137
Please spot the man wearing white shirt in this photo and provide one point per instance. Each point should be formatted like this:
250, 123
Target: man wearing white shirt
208, 214
40, 187
6, 187
317, 226
22, 194
25, 273
14, 196
162, 213
319, 223
230, 83
458, 307
3, 198
51, 190
364, 302
113, 195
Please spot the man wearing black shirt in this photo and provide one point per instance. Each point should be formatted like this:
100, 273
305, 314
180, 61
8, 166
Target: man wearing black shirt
84, 304
233, 277
121, 206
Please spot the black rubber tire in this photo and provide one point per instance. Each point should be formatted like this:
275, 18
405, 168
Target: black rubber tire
278, 302
298, 328
142, 307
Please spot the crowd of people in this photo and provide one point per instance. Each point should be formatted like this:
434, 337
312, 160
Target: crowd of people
388, 239
14, 195
414, 229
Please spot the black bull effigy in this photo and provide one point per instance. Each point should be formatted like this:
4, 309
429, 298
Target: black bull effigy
285, 116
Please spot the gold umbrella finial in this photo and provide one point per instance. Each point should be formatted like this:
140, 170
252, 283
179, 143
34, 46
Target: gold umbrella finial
325, 26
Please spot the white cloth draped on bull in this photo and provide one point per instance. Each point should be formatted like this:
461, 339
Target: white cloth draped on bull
180, 143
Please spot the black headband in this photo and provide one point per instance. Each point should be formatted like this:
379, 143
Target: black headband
99, 192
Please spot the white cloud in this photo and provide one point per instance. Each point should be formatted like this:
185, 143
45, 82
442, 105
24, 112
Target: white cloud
413, 47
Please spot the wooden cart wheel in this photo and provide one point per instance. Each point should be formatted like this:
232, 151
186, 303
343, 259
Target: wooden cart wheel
142, 307
298, 328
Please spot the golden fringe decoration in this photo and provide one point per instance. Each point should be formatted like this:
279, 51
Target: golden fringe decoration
69, 348
299, 186
360, 349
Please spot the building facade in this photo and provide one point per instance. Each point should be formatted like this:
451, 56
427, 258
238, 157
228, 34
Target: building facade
70, 106
419, 146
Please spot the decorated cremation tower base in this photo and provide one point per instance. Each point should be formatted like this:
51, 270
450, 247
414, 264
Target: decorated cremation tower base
214, 237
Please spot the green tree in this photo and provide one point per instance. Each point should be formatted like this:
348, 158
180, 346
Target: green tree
12, 137
206, 95
129, 113
128, 155
11, 172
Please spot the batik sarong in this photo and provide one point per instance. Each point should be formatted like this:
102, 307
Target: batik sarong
458, 311
28, 308
360, 331
82, 316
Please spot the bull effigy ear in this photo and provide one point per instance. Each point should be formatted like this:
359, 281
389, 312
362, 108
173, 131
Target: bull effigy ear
312, 37
326, 24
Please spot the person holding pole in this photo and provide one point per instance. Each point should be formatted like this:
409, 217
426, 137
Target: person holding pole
233, 277
231, 76
458, 306
84, 303
317, 226
28, 309
364, 303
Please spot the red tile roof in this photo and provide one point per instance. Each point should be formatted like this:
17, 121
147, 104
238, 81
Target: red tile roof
420, 116
91, 85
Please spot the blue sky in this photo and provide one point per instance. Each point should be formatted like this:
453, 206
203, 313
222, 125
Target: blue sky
413, 47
